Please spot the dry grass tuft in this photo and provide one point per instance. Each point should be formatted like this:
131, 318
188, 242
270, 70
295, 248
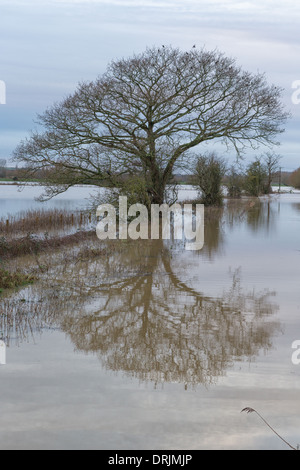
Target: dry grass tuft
248, 410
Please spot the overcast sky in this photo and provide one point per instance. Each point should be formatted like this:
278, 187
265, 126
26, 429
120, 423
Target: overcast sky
48, 46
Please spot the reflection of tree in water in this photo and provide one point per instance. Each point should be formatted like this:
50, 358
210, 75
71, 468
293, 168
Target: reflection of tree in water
262, 216
134, 311
259, 215
153, 326
214, 236
22, 319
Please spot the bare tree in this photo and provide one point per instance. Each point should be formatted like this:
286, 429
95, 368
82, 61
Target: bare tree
146, 113
208, 176
235, 181
271, 161
256, 178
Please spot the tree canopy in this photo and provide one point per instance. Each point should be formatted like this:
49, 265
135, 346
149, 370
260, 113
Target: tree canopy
146, 113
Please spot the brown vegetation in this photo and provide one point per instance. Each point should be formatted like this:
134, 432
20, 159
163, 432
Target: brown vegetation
10, 280
32, 244
42, 220
28, 233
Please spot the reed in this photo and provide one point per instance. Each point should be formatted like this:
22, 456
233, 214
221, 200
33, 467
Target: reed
43, 220
252, 410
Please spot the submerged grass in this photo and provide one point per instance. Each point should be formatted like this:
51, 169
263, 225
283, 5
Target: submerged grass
26, 258
33, 244
12, 280
24, 235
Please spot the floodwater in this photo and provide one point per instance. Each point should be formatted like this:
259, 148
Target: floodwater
15, 198
155, 347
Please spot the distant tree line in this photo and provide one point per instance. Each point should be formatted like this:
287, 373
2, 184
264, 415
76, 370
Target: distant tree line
210, 174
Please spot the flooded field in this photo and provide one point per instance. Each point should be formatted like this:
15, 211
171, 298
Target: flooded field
15, 199
144, 345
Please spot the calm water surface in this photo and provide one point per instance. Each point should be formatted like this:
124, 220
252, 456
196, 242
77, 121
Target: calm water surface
155, 347
15, 199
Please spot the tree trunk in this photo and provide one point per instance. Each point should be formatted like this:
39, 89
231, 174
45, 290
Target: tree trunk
157, 196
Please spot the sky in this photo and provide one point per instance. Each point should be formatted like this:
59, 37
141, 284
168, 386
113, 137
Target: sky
48, 46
